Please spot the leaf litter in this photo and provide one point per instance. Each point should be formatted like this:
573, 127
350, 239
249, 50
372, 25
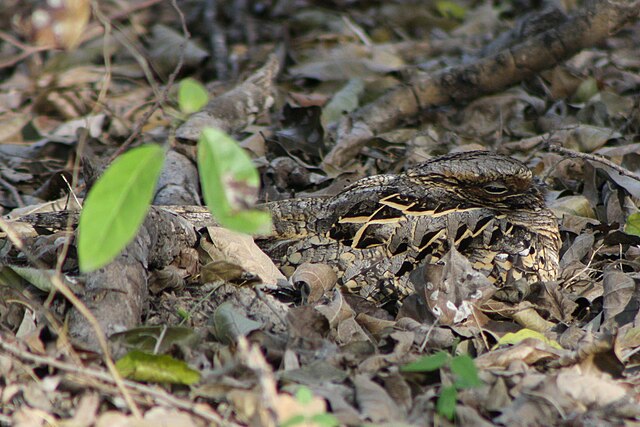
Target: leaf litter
304, 352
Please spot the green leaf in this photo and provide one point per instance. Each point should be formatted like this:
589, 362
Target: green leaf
633, 224
304, 395
41, 279
8, 277
446, 405
325, 420
294, 421
465, 371
156, 338
449, 9
250, 222
427, 363
117, 205
192, 96
183, 314
162, 368
230, 183
587, 89
523, 334
228, 323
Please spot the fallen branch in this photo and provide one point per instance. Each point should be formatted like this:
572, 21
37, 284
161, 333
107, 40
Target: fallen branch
238, 108
117, 293
488, 75
594, 158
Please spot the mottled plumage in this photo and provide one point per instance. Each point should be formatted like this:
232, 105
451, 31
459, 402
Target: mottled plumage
379, 229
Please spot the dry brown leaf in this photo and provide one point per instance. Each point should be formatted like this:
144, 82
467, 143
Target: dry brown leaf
574, 205
581, 246
337, 395
551, 299
11, 123
348, 331
317, 280
307, 323
490, 114
166, 416
248, 406
375, 403
529, 351
337, 310
399, 389
587, 138
589, 390
240, 250
348, 60
374, 325
59, 24
452, 288
620, 298
527, 316
288, 407
113, 419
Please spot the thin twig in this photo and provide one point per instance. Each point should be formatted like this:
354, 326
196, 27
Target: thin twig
61, 287
432, 327
164, 94
14, 193
93, 30
82, 141
594, 158
262, 297
27, 50
357, 31
160, 396
474, 314
71, 190
253, 359
585, 269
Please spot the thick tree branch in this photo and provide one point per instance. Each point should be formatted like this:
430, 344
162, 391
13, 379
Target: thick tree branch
487, 75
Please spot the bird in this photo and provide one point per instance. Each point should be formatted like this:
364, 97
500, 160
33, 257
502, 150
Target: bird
378, 230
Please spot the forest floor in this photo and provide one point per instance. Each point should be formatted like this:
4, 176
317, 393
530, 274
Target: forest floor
318, 94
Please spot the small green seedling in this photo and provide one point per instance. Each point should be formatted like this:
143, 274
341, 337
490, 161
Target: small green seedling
304, 396
192, 96
465, 376
633, 224
230, 183
118, 203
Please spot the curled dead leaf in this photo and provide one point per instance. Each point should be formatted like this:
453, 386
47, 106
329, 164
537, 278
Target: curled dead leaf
315, 280
337, 310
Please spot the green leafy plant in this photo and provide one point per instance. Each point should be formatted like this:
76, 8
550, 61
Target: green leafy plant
117, 205
192, 96
633, 224
304, 397
464, 372
512, 338
230, 183
587, 89
449, 9
157, 368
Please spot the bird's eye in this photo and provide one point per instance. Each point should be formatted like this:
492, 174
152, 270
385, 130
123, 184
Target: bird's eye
495, 188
